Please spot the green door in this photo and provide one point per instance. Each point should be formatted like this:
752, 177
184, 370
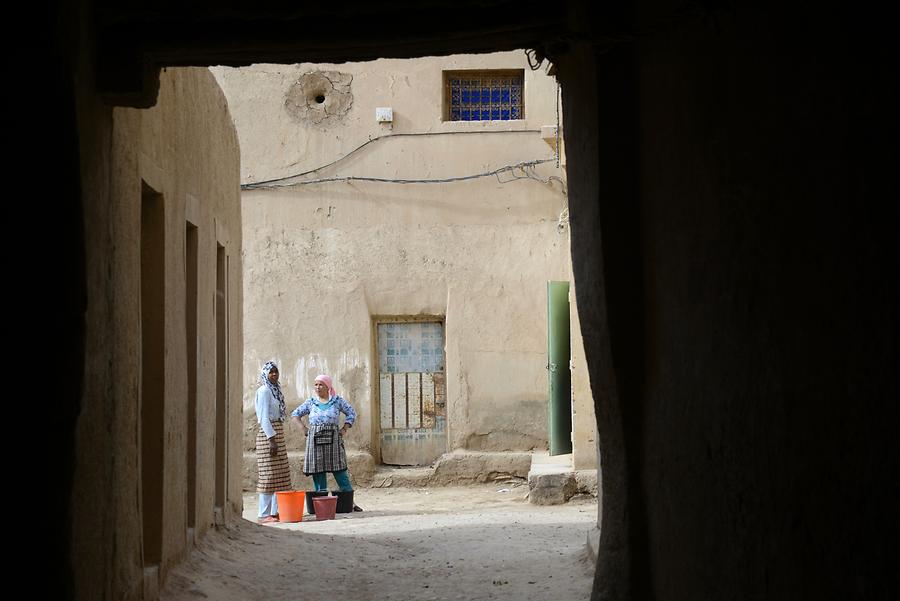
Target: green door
560, 413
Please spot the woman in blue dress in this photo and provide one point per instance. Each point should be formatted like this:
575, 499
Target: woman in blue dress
325, 435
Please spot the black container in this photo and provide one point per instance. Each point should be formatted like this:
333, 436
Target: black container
310, 506
344, 502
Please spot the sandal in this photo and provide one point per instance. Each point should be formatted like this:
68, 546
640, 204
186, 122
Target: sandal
269, 519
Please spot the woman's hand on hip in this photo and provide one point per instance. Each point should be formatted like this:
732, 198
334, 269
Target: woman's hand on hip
303, 426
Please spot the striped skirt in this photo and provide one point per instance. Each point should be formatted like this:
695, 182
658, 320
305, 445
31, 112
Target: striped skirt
274, 471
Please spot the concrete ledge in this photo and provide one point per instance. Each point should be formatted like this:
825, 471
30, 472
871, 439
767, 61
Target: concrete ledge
387, 476
551, 489
458, 467
552, 481
587, 482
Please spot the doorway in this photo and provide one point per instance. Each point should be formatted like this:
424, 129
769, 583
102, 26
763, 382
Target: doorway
411, 392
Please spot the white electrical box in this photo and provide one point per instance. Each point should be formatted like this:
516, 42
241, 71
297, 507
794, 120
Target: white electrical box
384, 114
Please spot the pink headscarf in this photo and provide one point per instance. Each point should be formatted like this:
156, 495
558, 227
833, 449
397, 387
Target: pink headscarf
328, 382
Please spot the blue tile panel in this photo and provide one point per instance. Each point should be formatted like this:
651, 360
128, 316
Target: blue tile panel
411, 347
486, 98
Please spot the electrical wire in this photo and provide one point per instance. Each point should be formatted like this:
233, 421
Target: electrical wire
527, 168
534, 60
280, 181
558, 94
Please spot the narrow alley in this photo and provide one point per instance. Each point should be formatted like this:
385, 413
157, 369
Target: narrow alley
475, 542
411, 198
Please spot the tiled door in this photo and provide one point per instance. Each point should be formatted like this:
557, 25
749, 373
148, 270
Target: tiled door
412, 392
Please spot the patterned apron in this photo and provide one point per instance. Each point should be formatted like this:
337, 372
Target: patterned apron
324, 450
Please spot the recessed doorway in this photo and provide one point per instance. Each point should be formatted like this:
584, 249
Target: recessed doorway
411, 392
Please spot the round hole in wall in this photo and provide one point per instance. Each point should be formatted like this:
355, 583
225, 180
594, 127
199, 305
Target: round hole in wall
320, 98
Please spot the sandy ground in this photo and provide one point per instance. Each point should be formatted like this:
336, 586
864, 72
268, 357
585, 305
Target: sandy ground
454, 543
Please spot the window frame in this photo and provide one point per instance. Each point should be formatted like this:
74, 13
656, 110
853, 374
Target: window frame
448, 75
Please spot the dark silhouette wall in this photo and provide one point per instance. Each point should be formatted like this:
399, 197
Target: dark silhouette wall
735, 242
732, 189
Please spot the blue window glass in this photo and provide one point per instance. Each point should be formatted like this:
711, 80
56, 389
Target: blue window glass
486, 96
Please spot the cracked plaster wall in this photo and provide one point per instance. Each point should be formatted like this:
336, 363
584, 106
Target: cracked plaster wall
319, 97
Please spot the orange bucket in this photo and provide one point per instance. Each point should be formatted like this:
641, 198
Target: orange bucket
325, 507
290, 505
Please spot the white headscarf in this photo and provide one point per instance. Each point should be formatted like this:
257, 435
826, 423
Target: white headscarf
275, 388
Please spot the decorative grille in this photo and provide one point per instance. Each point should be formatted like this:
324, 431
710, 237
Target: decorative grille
485, 95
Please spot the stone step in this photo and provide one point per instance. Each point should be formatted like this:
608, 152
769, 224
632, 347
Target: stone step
553, 481
458, 467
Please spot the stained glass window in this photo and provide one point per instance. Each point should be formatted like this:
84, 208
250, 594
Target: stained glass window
485, 95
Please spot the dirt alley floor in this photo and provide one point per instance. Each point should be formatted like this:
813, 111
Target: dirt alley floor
449, 543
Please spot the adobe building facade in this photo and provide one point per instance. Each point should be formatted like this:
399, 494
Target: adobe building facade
409, 259
158, 438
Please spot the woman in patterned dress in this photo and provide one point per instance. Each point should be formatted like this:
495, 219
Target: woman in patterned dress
324, 435
271, 452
